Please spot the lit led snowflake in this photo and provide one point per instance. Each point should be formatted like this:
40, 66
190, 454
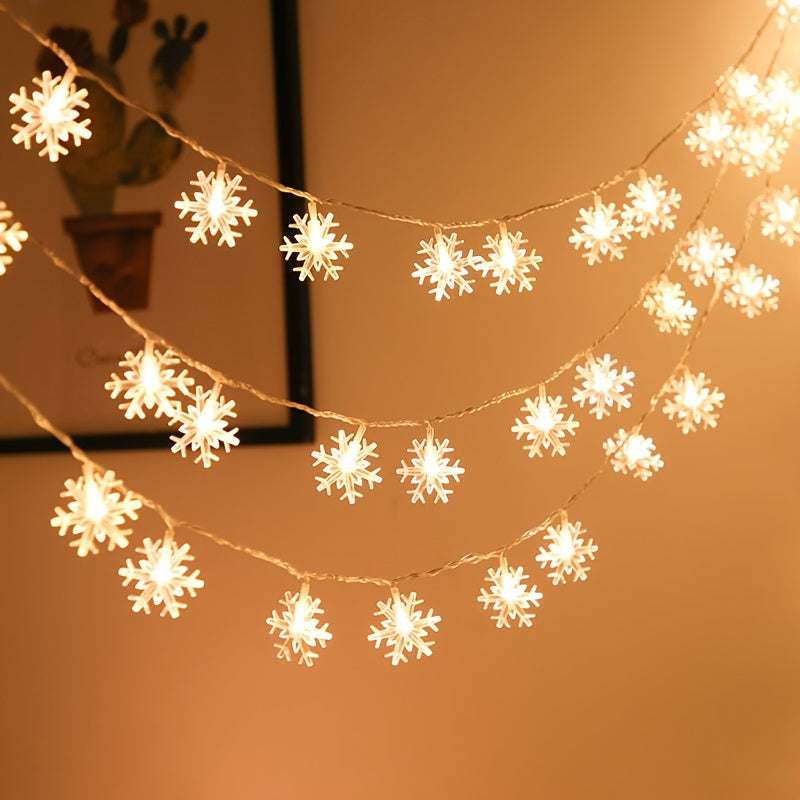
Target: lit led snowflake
742, 91
601, 232
780, 102
215, 208
430, 469
162, 577
11, 237
760, 149
567, 552
631, 453
508, 595
692, 401
667, 304
788, 11
50, 116
544, 426
705, 256
204, 426
602, 386
347, 466
315, 245
148, 382
507, 261
780, 215
653, 206
404, 628
711, 139
298, 628
98, 507
751, 290
445, 266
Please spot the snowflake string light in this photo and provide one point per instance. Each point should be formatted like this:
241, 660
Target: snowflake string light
711, 139
653, 205
97, 510
445, 266
508, 595
12, 237
742, 91
788, 11
162, 577
215, 207
545, 427
347, 466
760, 149
567, 552
692, 401
50, 116
667, 304
204, 426
298, 628
705, 256
507, 261
631, 453
404, 628
315, 245
751, 290
602, 386
780, 215
780, 103
148, 382
430, 469
601, 233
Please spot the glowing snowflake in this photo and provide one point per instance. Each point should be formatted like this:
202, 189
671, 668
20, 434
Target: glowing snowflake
508, 595
404, 628
430, 469
780, 215
705, 256
96, 512
742, 91
298, 629
780, 103
692, 401
653, 206
751, 290
601, 233
711, 140
667, 304
567, 553
204, 426
507, 261
347, 465
759, 149
630, 452
788, 11
315, 245
11, 237
602, 386
445, 266
544, 426
162, 577
50, 115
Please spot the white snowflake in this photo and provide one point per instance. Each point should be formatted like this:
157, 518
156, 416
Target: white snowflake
601, 233
508, 595
298, 628
751, 290
742, 91
780, 215
788, 11
507, 261
711, 140
780, 103
162, 577
404, 628
759, 149
215, 208
705, 256
347, 466
445, 266
692, 401
11, 237
315, 245
567, 553
97, 510
50, 115
667, 304
430, 469
630, 452
204, 426
545, 427
602, 385
653, 206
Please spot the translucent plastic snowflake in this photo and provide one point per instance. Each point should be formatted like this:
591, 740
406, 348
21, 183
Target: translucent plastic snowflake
751, 290
347, 466
11, 237
667, 304
148, 382
162, 577
98, 508
204, 426
508, 595
601, 233
788, 11
653, 206
705, 256
215, 208
507, 261
404, 628
742, 91
780, 103
298, 628
631, 453
780, 215
315, 245
602, 386
430, 469
711, 139
760, 149
50, 115
544, 426
692, 401
445, 266
567, 553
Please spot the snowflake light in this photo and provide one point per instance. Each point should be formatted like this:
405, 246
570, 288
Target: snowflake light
692, 401
430, 469
742, 91
705, 256
204, 426
567, 553
347, 466
148, 382
215, 208
508, 595
602, 386
98, 508
751, 290
11, 237
298, 628
601, 232
507, 262
545, 427
444, 266
50, 116
760, 149
711, 139
653, 205
631, 453
788, 11
780, 215
667, 304
404, 629
162, 577
315, 245
780, 103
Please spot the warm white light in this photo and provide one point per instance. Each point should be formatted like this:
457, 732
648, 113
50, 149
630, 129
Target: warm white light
299, 630
445, 266
430, 469
12, 237
544, 426
691, 401
509, 597
711, 139
652, 207
601, 232
705, 256
602, 386
403, 628
567, 552
347, 466
507, 261
631, 453
667, 304
315, 245
780, 215
751, 291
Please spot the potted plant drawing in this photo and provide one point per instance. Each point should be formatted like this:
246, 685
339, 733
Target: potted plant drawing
115, 249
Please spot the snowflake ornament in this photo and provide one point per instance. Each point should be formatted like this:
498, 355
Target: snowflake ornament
404, 628
751, 291
204, 426
760, 149
667, 304
742, 91
508, 595
711, 139
601, 232
162, 577
445, 266
692, 401
347, 466
545, 427
315, 245
567, 552
12, 237
98, 507
705, 256
631, 453
602, 386
298, 628
653, 205
430, 469
507, 261
780, 215
780, 103
788, 11
50, 116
